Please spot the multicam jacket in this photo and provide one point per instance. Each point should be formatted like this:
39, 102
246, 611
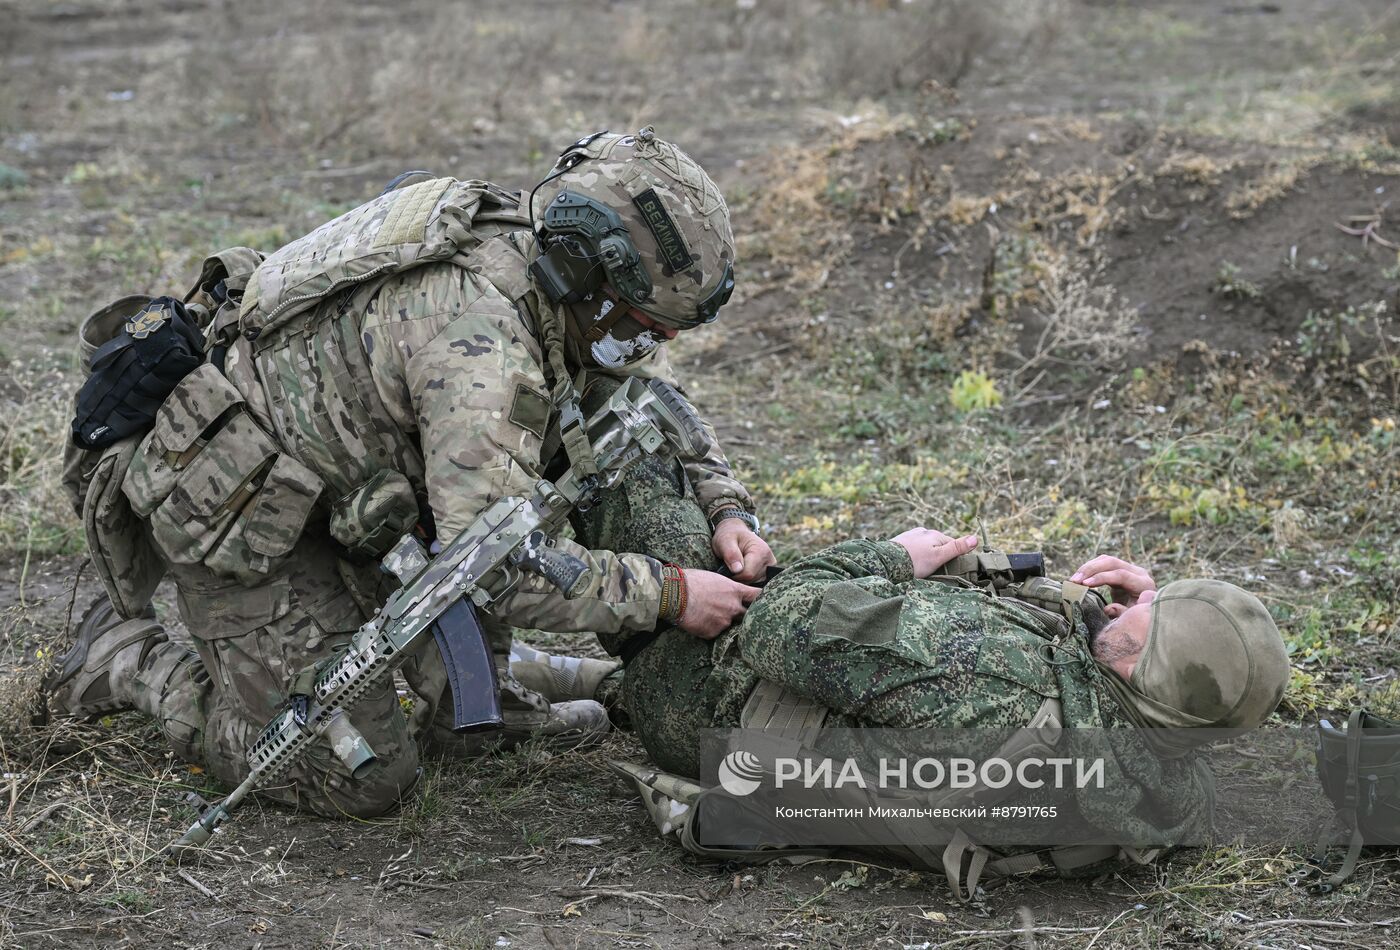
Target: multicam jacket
438, 373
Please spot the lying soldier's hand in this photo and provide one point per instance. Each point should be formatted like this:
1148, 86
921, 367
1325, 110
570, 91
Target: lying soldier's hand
1129, 582
930, 550
713, 602
747, 556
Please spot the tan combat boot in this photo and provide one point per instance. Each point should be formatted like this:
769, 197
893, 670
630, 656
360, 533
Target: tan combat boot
525, 712
529, 713
95, 676
558, 678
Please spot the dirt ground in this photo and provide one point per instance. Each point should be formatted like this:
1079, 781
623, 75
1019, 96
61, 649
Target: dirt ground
1084, 276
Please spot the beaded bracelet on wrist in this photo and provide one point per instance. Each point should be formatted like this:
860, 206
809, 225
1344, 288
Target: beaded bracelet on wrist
673, 594
684, 593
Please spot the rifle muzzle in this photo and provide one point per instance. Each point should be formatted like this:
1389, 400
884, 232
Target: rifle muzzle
349, 746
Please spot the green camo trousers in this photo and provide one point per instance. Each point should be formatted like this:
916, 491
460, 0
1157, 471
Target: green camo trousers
655, 512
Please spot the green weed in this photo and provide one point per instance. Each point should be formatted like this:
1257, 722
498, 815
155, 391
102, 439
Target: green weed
973, 390
1231, 285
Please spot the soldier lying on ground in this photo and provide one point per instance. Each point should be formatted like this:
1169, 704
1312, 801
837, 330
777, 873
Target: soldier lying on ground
419, 397
871, 631
864, 634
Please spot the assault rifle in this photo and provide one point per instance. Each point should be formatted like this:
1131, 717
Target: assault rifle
438, 595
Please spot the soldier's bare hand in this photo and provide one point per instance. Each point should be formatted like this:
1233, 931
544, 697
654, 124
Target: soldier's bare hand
930, 550
747, 556
713, 602
1129, 582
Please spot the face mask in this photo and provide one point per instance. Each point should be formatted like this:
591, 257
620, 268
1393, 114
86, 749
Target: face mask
612, 353
626, 341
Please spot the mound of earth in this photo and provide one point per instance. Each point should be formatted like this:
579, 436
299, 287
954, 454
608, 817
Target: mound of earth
1239, 248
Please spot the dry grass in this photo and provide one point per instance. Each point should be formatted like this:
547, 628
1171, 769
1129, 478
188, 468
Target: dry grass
449, 77
1270, 186
1082, 322
35, 413
798, 238
1194, 167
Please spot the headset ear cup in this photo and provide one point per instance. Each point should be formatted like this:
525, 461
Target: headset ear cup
564, 273
624, 267
584, 243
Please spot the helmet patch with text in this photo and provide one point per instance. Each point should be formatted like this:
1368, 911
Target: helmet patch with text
668, 239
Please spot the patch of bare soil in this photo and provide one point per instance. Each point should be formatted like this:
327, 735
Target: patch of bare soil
1207, 242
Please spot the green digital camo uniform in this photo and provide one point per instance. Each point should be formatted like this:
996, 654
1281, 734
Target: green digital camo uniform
437, 374
852, 628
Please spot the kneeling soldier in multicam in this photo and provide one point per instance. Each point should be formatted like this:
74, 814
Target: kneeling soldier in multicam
409, 363
908, 634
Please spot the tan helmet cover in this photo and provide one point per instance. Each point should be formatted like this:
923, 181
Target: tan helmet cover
674, 212
1213, 659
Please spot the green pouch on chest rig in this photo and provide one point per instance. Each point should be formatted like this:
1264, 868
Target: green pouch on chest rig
370, 519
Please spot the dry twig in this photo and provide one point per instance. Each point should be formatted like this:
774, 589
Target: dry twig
1368, 233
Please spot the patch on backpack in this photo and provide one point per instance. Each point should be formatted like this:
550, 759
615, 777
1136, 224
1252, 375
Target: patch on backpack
529, 410
409, 215
146, 322
668, 239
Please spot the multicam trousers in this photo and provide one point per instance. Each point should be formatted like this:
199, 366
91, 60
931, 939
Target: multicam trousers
253, 641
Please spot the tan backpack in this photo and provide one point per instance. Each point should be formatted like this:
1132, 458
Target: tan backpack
119, 541
434, 220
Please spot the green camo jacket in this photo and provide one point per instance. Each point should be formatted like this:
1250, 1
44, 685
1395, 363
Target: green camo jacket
851, 628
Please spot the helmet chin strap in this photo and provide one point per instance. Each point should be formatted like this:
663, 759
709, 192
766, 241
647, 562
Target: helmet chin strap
609, 312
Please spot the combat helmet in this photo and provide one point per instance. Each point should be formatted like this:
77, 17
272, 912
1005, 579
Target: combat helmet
627, 221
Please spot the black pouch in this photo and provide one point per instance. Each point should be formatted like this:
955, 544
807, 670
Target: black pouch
132, 373
1359, 768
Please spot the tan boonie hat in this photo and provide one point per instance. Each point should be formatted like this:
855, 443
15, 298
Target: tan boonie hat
1213, 659
674, 213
